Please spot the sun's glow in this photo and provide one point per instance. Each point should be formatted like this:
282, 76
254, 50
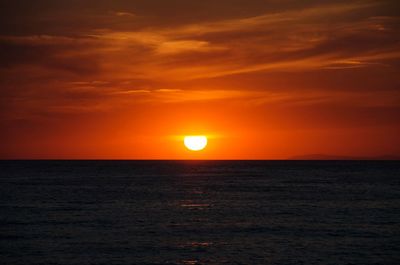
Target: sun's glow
195, 142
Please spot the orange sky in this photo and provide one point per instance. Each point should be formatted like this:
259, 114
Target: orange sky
265, 79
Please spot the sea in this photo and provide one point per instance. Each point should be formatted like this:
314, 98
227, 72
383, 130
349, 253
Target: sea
199, 212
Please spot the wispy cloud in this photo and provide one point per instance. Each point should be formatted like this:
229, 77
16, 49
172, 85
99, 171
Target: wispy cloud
291, 40
165, 63
124, 14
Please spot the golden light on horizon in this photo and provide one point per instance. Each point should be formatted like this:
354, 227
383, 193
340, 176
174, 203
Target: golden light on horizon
195, 142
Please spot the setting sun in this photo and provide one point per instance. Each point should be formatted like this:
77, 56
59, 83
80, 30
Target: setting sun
195, 143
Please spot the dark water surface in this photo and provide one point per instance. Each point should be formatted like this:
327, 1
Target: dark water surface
193, 212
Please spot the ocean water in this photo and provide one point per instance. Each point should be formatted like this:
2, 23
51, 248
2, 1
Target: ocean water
200, 212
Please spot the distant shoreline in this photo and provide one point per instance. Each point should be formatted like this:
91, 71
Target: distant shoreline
344, 158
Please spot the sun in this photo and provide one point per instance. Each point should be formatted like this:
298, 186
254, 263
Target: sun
195, 142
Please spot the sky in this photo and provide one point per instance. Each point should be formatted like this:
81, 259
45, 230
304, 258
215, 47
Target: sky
263, 79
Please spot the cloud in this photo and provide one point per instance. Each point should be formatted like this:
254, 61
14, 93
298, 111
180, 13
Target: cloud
124, 14
54, 53
328, 36
178, 61
324, 36
182, 46
307, 14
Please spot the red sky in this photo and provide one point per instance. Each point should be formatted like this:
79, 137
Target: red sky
264, 79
